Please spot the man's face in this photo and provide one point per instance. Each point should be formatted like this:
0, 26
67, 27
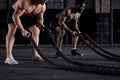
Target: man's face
80, 6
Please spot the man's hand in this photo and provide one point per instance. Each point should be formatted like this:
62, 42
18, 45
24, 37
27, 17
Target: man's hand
74, 33
41, 27
79, 32
25, 33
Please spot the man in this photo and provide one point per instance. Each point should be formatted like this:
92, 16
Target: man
68, 21
27, 13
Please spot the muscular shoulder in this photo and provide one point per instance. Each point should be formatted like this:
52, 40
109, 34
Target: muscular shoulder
25, 4
22, 4
66, 12
43, 8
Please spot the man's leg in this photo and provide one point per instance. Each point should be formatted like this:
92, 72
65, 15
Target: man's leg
61, 34
35, 34
74, 44
10, 39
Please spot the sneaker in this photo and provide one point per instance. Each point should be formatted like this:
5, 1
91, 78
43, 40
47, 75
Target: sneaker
37, 57
58, 55
10, 61
74, 53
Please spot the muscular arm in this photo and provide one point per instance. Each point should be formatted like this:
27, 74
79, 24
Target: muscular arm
62, 20
40, 22
19, 11
40, 18
16, 18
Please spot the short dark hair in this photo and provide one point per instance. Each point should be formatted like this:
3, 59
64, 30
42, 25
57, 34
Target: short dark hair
79, 2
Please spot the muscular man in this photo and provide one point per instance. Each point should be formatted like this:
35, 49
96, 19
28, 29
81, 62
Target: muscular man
27, 13
68, 21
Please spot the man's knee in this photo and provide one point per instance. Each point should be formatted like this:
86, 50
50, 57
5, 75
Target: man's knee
34, 30
11, 28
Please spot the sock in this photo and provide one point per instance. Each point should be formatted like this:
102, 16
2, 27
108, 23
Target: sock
73, 48
60, 49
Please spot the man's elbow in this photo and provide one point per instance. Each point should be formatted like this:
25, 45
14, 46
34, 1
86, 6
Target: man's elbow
61, 22
15, 17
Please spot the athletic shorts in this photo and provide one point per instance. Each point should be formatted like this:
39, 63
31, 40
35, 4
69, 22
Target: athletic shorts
26, 20
70, 24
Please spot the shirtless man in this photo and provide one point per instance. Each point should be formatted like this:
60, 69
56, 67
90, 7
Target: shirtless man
27, 13
68, 21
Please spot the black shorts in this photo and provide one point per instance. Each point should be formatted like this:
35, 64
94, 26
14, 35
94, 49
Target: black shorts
69, 24
26, 20
55, 23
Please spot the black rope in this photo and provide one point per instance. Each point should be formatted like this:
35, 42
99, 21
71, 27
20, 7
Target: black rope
46, 59
71, 61
66, 58
111, 70
99, 53
62, 66
108, 53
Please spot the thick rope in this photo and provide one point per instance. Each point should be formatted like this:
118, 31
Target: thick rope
111, 70
109, 53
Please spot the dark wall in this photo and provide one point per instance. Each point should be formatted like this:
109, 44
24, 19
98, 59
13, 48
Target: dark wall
3, 26
90, 4
116, 27
89, 23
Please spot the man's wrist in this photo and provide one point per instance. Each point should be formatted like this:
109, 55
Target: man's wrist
79, 32
21, 29
70, 31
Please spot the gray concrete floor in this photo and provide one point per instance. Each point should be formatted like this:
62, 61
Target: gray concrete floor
27, 69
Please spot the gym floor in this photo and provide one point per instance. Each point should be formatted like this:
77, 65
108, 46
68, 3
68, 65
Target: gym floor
28, 69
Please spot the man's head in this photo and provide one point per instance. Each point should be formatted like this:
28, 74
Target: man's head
79, 3
79, 6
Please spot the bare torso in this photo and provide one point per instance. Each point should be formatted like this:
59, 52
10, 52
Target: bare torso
28, 7
67, 13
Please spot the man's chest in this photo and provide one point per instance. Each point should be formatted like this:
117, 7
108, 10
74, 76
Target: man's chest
33, 10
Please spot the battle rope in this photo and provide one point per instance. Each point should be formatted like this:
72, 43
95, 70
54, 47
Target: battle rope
99, 53
82, 67
67, 59
109, 53
66, 67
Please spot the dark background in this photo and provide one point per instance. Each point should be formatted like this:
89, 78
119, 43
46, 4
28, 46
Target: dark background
96, 24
